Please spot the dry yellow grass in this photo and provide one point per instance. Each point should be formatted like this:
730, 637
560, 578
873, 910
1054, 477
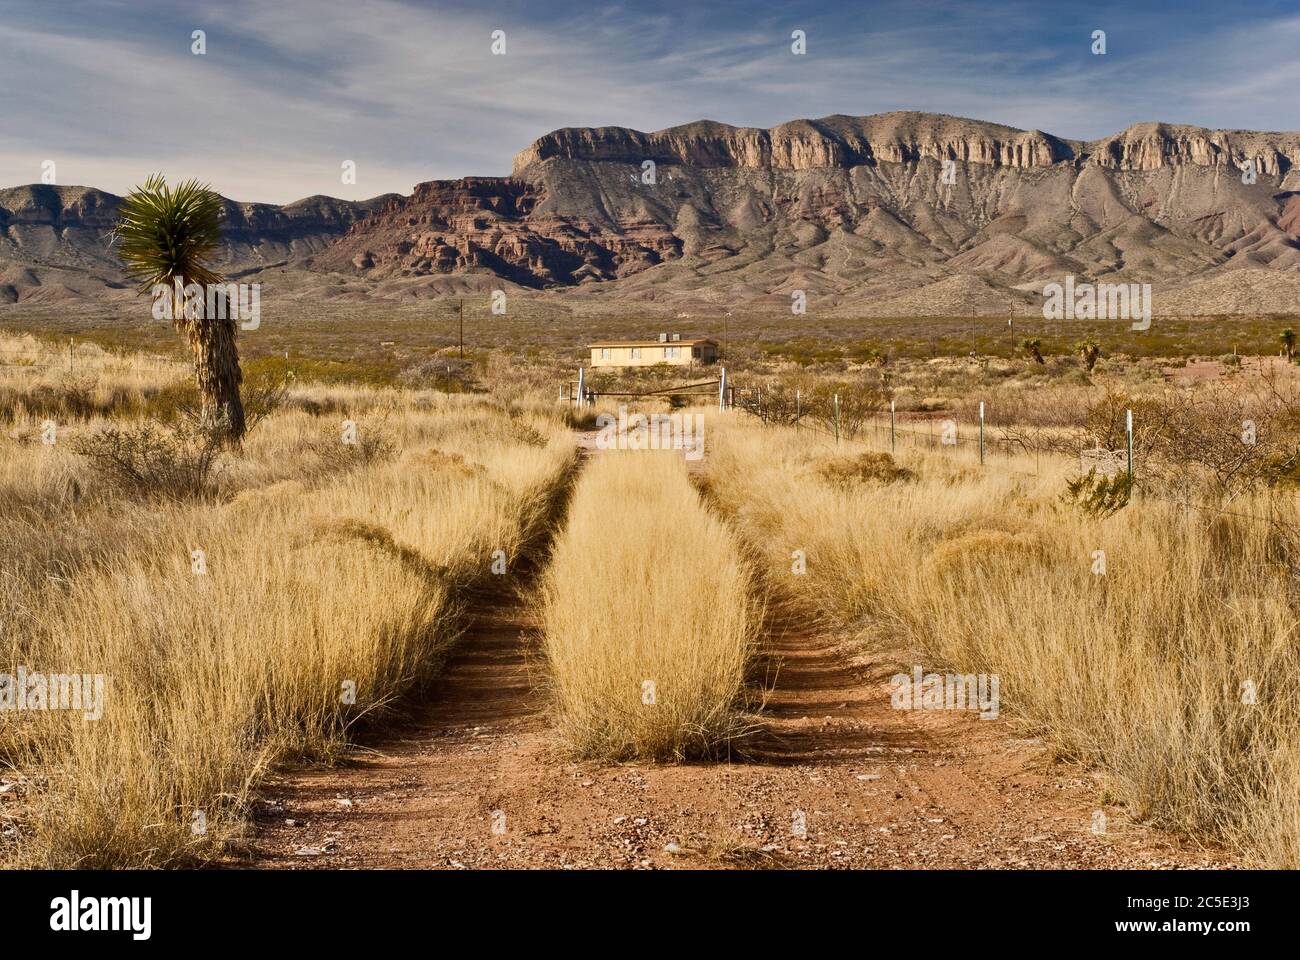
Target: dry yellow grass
326, 590
648, 616
1141, 671
40, 380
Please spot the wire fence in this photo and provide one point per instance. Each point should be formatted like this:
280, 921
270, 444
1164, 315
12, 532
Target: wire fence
885, 434
45, 357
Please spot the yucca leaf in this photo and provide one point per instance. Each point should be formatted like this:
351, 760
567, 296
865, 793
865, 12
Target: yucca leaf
166, 234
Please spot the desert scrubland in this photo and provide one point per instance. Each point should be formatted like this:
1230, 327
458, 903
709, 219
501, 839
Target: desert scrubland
254, 607
265, 611
1156, 644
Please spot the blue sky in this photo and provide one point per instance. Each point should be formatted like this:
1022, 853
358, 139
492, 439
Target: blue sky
410, 91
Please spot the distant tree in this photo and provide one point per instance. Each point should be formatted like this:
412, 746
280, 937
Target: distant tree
1034, 347
167, 236
1089, 351
1288, 344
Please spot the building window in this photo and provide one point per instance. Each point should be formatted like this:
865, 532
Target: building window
636, 353
604, 353
671, 353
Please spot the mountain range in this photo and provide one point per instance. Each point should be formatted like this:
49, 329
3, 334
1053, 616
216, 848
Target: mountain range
892, 214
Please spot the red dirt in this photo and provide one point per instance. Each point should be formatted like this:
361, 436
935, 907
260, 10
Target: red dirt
877, 787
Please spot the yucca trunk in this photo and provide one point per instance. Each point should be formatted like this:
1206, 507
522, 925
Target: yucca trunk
216, 366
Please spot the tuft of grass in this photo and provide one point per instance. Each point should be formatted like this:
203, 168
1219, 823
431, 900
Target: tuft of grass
867, 467
648, 617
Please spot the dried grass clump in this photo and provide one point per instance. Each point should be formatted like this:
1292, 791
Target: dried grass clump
648, 617
867, 467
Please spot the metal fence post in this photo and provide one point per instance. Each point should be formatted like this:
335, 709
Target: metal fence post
893, 438
1128, 432
722, 390
981, 433
837, 419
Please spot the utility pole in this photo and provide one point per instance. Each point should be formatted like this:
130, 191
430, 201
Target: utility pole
461, 338
725, 326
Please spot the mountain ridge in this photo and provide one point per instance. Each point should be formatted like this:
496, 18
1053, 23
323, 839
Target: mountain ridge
849, 209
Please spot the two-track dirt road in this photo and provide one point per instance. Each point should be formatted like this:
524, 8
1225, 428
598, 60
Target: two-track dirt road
837, 779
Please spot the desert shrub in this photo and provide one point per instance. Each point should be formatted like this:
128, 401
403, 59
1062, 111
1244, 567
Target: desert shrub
868, 467
790, 400
979, 552
264, 392
520, 431
348, 449
154, 460
1099, 495
858, 403
1219, 439
72, 397
775, 402
804, 351
447, 374
434, 459
174, 402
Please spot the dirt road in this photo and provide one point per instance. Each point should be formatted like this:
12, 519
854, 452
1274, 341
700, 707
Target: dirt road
875, 787
837, 779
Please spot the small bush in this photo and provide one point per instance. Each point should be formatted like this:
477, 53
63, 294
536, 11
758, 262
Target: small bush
369, 445
154, 460
1100, 496
981, 552
869, 467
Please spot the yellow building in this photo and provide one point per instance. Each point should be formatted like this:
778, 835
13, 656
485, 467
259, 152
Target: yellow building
668, 349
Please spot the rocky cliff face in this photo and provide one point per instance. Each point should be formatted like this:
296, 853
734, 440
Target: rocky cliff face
840, 141
852, 205
852, 209
1151, 146
491, 225
836, 141
54, 240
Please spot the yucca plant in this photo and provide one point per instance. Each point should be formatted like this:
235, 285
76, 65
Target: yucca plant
165, 237
1034, 347
1089, 351
1288, 343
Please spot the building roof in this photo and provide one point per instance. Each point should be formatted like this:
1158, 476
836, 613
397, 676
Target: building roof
687, 341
